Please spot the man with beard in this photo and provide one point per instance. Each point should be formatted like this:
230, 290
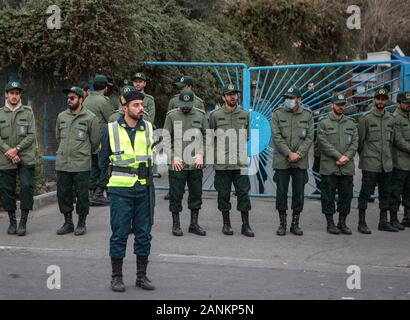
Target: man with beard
292, 137
229, 123
376, 135
401, 162
77, 133
127, 144
139, 81
338, 141
17, 156
188, 169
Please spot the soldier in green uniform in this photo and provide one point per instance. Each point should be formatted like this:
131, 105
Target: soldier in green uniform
139, 81
338, 140
100, 105
186, 168
292, 137
77, 133
186, 83
231, 163
401, 162
376, 136
17, 156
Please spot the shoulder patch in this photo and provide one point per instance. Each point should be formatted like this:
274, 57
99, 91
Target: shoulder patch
172, 111
199, 110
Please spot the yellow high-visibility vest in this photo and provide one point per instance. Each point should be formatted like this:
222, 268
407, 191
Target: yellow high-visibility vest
124, 155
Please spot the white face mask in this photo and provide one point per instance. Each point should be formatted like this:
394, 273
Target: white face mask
290, 104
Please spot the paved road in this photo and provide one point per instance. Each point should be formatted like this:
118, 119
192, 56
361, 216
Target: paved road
215, 267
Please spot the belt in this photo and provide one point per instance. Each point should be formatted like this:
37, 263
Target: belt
141, 172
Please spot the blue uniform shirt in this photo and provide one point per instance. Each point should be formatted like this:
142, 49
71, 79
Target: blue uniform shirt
106, 152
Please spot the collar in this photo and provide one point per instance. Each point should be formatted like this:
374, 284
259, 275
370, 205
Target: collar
140, 125
8, 108
237, 109
403, 113
333, 117
377, 114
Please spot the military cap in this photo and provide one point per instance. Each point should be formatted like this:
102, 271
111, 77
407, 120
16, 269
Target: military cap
339, 99
254, 83
293, 93
229, 89
139, 76
127, 88
383, 91
131, 96
13, 85
102, 79
77, 90
406, 97
186, 99
185, 81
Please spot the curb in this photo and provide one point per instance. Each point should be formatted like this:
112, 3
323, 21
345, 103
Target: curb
40, 201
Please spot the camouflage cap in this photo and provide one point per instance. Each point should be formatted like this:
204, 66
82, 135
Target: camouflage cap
77, 90
185, 81
293, 93
229, 89
186, 99
13, 85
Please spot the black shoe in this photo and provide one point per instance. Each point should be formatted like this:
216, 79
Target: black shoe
167, 196
12, 229
283, 224
384, 225
246, 229
68, 226
342, 225
363, 228
176, 226
226, 229
194, 227
98, 198
394, 221
21, 231
117, 284
81, 227
406, 219
142, 280
294, 227
331, 228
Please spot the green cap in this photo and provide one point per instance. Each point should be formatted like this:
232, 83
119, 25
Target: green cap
13, 85
400, 96
139, 76
254, 83
77, 90
102, 79
406, 97
186, 99
293, 93
339, 99
229, 89
185, 81
383, 91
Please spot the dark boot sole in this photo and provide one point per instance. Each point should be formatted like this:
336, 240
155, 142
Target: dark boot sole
65, 232
145, 287
197, 233
228, 233
177, 234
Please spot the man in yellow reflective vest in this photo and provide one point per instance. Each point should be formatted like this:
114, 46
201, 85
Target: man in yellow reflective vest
126, 146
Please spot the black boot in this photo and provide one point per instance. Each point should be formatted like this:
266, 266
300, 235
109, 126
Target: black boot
117, 284
21, 231
176, 226
98, 198
13, 223
406, 219
246, 229
194, 226
68, 226
394, 221
90, 195
294, 227
363, 228
384, 225
142, 279
167, 196
81, 227
342, 225
226, 229
331, 228
283, 223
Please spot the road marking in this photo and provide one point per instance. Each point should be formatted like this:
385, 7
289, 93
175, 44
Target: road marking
208, 257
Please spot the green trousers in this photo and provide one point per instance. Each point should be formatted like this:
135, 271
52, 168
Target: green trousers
299, 180
177, 182
97, 177
8, 183
400, 190
369, 182
343, 185
66, 183
123, 212
223, 184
